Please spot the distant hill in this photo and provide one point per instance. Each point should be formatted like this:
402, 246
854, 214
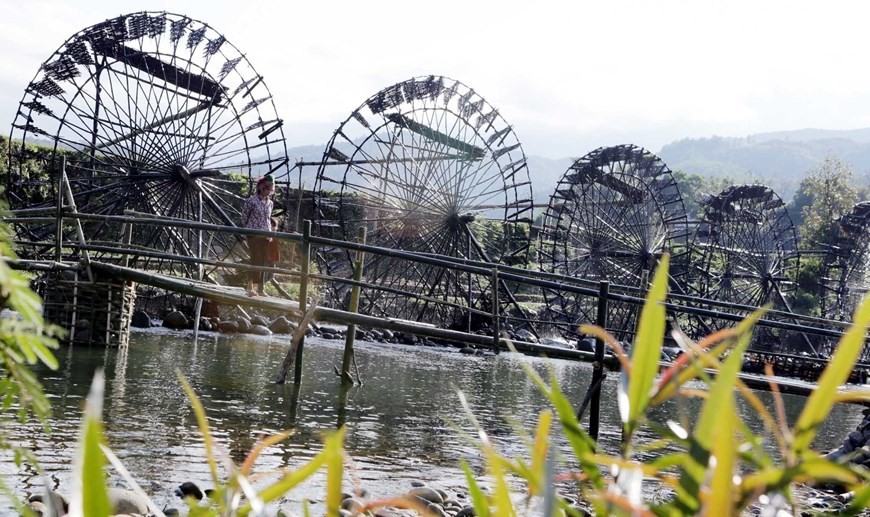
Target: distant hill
779, 159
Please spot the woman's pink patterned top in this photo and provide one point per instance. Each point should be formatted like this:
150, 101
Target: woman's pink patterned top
257, 213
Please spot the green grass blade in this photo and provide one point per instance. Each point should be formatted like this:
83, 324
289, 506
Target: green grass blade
334, 453
835, 375
288, 482
859, 504
647, 349
581, 443
501, 495
478, 498
540, 450
204, 429
91, 496
714, 434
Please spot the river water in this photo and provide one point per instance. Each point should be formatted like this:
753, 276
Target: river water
404, 423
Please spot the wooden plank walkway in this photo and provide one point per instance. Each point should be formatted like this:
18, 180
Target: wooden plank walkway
237, 296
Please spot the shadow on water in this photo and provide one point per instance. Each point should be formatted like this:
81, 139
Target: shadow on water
403, 423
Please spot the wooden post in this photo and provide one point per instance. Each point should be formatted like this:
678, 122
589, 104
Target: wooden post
598, 365
197, 309
303, 296
496, 327
75, 308
128, 240
353, 308
470, 296
59, 231
108, 338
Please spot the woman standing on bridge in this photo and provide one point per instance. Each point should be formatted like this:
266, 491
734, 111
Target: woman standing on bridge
257, 215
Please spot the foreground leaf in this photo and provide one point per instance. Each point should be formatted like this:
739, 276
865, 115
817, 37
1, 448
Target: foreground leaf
647, 349
837, 372
91, 496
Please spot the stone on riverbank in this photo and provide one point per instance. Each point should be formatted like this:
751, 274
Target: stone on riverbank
282, 325
244, 325
127, 501
260, 330
260, 320
176, 320
230, 327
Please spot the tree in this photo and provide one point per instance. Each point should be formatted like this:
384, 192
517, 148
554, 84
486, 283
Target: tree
824, 196
694, 187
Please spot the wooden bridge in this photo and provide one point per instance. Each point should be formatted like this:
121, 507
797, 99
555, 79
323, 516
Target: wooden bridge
128, 265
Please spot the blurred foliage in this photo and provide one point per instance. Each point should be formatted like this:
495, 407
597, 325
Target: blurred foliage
714, 465
25, 339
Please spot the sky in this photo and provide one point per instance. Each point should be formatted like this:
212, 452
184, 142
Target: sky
569, 76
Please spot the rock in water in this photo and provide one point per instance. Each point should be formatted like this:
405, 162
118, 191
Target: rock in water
228, 326
141, 320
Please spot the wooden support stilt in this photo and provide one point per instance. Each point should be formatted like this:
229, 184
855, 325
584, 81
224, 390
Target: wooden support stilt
295, 343
59, 230
496, 325
75, 307
303, 296
598, 364
197, 310
347, 358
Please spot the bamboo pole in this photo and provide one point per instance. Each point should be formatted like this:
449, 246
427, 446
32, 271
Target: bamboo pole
353, 309
295, 341
303, 296
71, 203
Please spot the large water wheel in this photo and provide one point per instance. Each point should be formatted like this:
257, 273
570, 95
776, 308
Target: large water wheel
612, 216
748, 247
747, 255
846, 265
426, 165
156, 113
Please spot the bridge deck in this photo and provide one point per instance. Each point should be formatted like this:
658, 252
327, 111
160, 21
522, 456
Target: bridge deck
218, 293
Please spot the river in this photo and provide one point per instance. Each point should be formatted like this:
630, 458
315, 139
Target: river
404, 423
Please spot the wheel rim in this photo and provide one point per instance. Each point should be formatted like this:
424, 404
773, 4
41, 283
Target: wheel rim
426, 165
